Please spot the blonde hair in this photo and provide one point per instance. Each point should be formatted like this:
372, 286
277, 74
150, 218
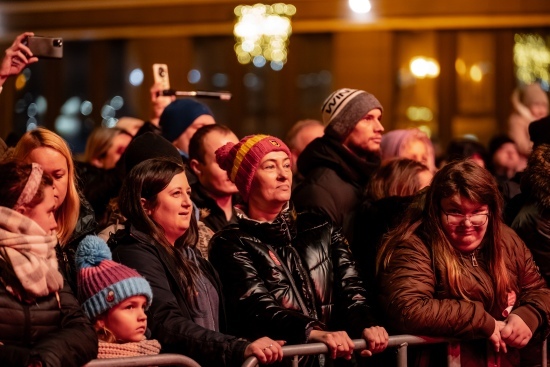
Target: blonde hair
103, 333
99, 142
67, 213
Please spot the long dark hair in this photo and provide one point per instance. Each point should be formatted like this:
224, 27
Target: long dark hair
467, 179
146, 180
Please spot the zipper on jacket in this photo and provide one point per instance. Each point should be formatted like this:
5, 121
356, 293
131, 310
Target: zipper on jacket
291, 281
473, 258
307, 281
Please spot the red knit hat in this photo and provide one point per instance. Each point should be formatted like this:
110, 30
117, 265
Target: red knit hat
241, 160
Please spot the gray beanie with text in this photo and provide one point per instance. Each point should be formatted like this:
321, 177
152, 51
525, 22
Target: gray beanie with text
344, 108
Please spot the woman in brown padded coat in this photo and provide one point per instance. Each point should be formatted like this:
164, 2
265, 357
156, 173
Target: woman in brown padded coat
453, 269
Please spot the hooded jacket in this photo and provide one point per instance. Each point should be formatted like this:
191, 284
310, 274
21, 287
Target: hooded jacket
284, 278
417, 299
170, 315
334, 181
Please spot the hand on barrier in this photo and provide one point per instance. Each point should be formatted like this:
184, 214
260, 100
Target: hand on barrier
338, 342
266, 350
377, 340
18, 56
515, 333
496, 338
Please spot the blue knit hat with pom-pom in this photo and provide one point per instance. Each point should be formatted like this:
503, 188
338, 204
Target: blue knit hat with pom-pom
102, 282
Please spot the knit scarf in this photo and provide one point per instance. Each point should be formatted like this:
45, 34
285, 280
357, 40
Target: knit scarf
29, 252
131, 349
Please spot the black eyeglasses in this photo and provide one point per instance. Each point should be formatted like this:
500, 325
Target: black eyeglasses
476, 220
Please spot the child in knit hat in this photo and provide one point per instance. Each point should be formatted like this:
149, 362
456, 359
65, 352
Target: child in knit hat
115, 298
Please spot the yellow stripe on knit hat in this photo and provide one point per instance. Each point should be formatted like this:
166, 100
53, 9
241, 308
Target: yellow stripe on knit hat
241, 153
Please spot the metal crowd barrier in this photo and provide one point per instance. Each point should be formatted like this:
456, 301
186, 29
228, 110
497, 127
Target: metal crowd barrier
143, 361
401, 342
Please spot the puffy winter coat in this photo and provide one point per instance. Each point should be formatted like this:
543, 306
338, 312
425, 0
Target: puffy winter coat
170, 315
334, 181
417, 300
284, 278
54, 330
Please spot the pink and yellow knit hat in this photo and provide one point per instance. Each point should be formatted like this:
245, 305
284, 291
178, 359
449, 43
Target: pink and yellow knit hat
241, 160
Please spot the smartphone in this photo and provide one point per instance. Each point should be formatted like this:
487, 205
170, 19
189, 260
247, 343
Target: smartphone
46, 47
160, 73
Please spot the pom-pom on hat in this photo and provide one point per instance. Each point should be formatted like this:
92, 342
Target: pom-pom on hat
179, 115
241, 160
102, 282
344, 108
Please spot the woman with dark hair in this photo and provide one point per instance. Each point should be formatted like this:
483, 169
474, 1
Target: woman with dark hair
398, 177
159, 241
389, 193
42, 323
453, 269
287, 274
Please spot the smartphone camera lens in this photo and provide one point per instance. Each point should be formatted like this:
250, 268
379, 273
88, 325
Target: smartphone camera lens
57, 43
162, 72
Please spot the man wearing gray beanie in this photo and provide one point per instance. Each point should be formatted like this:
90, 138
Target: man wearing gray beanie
338, 165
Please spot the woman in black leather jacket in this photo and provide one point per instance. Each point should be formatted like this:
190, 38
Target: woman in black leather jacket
290, 275
159, 240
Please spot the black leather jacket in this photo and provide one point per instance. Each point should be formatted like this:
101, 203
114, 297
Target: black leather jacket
170, 315
282, 279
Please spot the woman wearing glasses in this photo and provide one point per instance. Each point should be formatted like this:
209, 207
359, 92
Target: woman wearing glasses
453, 269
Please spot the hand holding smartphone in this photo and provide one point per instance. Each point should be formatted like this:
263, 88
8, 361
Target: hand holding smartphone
161, 77
45, 47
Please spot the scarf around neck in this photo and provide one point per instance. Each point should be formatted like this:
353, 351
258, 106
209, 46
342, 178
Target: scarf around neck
29, 252
130, 349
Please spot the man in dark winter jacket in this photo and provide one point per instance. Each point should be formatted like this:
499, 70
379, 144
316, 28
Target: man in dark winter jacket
338, 165
213, 193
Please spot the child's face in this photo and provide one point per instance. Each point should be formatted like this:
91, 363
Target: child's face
127, 320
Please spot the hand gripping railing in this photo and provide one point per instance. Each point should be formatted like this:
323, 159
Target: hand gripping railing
142, 361
401, 342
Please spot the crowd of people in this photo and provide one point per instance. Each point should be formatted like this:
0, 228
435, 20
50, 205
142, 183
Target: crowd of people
175, 236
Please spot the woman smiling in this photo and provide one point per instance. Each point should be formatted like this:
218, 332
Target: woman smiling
455, 270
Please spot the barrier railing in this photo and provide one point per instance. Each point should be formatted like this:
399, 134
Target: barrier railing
401, 342
143, 361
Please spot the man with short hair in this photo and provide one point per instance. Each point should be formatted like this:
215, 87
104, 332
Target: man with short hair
299, 136
213, 193
337, 166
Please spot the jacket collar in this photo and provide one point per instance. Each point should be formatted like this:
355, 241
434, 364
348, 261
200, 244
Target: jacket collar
330, 153
279, 232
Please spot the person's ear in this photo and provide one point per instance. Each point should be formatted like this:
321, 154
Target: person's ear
100, 323
21, 209
194, 164
96, 162
145, 205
